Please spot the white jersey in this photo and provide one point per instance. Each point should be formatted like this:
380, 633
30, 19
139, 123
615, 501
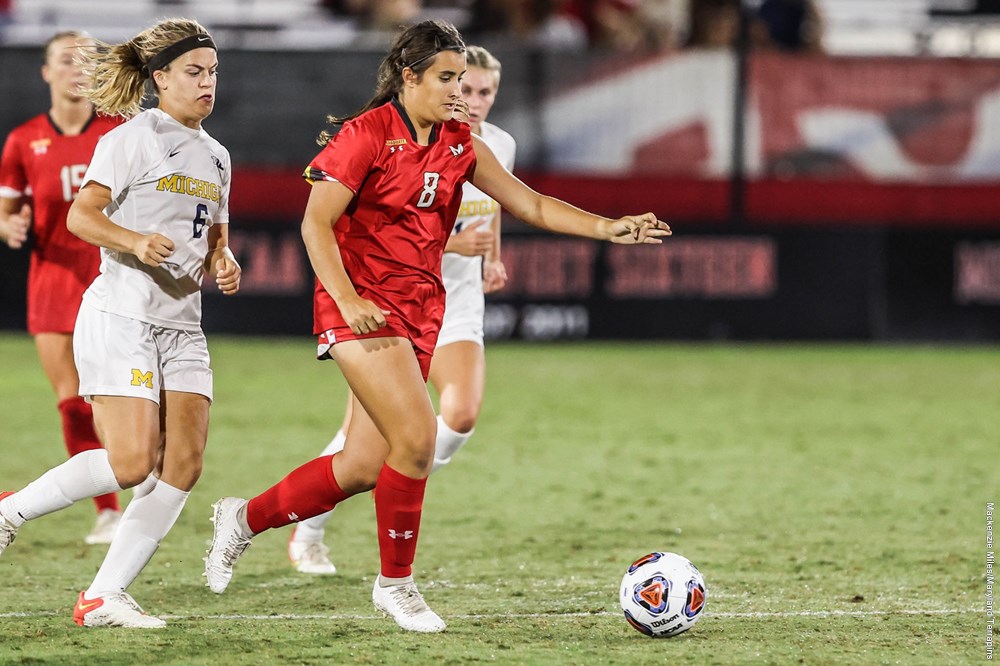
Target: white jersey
477, 205
164, 178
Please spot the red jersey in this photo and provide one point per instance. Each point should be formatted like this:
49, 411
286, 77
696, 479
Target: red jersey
43, 164
392, 235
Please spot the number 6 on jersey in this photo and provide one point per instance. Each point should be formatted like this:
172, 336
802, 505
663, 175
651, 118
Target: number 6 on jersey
200, 220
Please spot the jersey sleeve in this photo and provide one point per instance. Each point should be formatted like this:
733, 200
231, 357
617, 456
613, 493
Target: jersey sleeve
222, 216
349, 155
511, 151
118, 161
13, 177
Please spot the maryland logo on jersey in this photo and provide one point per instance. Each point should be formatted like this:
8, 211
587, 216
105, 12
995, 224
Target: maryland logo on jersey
313, 175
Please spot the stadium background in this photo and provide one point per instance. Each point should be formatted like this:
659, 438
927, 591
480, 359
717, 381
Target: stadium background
844, 194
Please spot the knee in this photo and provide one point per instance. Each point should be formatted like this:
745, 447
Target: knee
131, 470
366, 478
460, 416
354, 476
184, 471
461, 422
418, 447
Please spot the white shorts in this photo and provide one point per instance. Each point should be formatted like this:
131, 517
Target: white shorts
465, 307
121, 356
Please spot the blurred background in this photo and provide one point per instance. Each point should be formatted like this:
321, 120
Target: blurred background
831, 168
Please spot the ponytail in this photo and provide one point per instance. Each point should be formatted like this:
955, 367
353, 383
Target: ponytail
415, 48
118, 78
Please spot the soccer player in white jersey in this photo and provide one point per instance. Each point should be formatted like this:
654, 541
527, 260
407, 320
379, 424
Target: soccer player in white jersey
471, 267
155, 199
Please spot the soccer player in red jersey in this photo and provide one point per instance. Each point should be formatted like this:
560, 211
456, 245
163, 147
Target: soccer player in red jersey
471, 267
386, 192
43, 163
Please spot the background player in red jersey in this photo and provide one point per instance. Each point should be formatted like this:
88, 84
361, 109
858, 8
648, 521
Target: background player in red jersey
43, 163
386, 193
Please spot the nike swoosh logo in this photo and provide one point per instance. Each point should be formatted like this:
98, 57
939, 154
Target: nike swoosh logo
87, 607
173, 153
204, 39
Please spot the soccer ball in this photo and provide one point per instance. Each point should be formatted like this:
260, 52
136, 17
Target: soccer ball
662, 594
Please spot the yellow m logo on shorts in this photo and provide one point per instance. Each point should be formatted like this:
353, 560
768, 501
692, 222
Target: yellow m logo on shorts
140, 378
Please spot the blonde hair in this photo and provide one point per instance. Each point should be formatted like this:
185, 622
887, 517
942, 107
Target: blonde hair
477, 56
117, 73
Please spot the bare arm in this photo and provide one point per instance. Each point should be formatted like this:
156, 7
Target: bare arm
494, 272
87, 221
327, 202
471, 241
220, 259
555, 215
15, 220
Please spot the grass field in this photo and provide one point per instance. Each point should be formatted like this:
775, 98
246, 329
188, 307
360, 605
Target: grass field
833, 496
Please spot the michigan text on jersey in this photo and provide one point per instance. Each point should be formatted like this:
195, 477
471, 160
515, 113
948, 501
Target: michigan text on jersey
194, 187
482, 207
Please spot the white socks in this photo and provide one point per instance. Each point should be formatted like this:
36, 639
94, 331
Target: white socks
145, 487
143, 525
447, 444
311, 530
336, 444
86, 474
383, 581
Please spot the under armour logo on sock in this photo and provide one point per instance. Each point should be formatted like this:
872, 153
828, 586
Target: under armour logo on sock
293, 516
408, 534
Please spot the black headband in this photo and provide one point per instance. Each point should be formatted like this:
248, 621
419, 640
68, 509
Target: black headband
167, 55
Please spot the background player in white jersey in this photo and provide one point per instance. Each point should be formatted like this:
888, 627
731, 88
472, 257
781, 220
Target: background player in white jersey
155, 199
471, 267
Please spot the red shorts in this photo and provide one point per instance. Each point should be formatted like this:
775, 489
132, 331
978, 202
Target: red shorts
326, 340
55, 290
416, 318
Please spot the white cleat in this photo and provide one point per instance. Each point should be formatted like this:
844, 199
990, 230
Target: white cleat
310, 557
404, 604
104, 528
114, 610
7, 531
228, 543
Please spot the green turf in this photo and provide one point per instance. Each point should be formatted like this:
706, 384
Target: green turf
833, 496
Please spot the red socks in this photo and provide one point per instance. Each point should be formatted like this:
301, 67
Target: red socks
306, 492
312, 489
398, 503
79, 435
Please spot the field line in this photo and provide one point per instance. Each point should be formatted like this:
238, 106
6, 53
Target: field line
293, 617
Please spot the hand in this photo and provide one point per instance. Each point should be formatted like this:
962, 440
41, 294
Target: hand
153, 249
461, 112
471, 241
227, 274
361, 315
639, 230
14, 227
494, 276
